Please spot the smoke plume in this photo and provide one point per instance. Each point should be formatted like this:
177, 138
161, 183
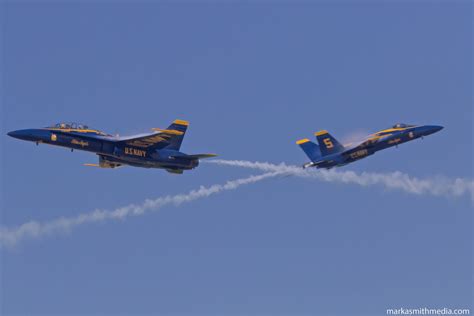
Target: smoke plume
34, 229
438, 186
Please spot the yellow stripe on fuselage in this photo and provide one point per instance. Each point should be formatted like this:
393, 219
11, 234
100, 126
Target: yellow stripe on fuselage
389, 130
76, 130
375, 136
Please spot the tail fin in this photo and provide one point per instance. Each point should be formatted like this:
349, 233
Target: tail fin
180, 126
311, 149
328, 144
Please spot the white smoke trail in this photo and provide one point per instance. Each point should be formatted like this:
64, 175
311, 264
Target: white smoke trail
34, 229
438, 186
394, 180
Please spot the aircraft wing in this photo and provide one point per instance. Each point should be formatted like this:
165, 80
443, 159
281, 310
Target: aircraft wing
372, 140
170, 137
368, 142
148, 140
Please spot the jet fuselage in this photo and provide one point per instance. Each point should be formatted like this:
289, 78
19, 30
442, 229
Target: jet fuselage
157, 150
331, 154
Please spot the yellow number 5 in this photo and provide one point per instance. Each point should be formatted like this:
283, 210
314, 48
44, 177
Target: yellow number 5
328, 143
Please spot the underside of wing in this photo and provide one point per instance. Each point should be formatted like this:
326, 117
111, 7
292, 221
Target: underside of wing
92, 165
104, 162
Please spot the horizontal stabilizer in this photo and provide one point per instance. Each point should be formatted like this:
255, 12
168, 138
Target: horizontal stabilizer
196, 156
201, 156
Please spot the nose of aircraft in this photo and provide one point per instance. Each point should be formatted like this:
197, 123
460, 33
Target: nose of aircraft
434, 128
23, 134
16, 134
430, 129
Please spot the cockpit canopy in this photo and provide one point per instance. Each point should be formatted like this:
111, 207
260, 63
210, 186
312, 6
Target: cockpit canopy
70, 125
402, 125
77, 127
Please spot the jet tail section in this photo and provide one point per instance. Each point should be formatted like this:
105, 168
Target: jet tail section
310, 149
180, 127
328, 144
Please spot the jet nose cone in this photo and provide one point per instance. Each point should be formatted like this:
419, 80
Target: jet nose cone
15, 134
430, 129
434, 128
437, 128
24, 134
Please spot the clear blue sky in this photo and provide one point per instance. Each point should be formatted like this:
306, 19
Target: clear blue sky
251, 77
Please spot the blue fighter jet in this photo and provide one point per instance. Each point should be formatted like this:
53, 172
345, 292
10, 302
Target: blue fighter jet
330, 153
159, 149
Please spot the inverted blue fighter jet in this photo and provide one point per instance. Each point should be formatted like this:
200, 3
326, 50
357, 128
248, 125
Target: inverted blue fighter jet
330, 153
159, 149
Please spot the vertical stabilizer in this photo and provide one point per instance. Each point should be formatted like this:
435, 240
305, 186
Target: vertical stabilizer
327, 143
310, 149
175, 141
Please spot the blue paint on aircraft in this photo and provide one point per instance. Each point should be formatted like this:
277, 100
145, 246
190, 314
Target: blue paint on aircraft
160, 149
330, 153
